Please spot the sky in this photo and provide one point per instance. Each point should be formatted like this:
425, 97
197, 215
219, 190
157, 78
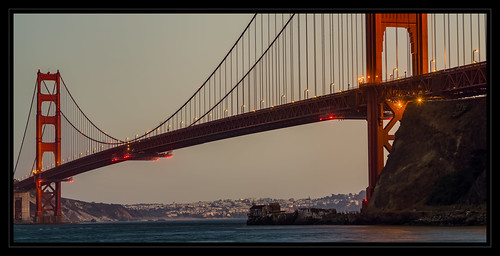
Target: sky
129, 72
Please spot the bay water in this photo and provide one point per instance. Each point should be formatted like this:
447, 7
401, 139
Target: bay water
235, 231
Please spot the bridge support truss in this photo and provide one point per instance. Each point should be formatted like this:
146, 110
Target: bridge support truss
48, 192
378, 134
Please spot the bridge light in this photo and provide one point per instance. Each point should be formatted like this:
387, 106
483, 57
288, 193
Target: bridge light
361, 79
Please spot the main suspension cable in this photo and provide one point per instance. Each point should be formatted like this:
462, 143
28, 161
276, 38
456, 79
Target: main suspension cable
25, 128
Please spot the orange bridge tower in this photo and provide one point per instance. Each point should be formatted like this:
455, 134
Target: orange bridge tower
378, 135
48, 192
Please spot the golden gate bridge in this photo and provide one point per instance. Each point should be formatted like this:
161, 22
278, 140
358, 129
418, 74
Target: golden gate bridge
283, 70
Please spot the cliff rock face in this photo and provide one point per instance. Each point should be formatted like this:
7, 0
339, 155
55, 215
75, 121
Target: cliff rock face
437, 166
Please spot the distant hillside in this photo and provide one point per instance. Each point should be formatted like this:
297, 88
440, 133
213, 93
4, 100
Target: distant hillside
75, 210
437, 170
80, 211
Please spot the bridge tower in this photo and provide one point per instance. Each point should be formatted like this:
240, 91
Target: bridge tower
378, 135
48, 192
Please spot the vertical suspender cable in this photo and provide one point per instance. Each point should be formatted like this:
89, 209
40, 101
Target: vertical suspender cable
285, 61
470, 33
342, 51
242, 87
314, 42
363, 40
291, 64
479, 36
352, 54
331, 52
307, 63
339, 36
347, 52
249, 76
449, 39
397, 51
356, 45
268, 69
385, 52
458, 47
254, 59
435, 40
463, 38
444, 41
262, 63
298, 53
323, 51
434, 57
277, 66
407, 72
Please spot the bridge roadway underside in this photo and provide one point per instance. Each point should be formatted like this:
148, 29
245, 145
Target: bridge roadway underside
452, 83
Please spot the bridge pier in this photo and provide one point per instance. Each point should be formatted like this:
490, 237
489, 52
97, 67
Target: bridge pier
22, 207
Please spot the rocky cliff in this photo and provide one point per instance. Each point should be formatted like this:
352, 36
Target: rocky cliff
436, 172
